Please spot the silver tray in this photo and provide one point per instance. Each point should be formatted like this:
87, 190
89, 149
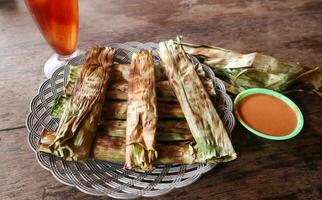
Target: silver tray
107, 178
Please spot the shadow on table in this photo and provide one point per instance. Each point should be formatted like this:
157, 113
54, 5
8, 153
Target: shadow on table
9, 5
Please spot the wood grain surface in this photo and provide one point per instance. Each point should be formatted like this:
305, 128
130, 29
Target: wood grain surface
290, 30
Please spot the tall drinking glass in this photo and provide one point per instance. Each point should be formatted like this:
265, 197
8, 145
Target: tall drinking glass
58, 23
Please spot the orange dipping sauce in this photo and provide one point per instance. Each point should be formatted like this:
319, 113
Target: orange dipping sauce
267, 114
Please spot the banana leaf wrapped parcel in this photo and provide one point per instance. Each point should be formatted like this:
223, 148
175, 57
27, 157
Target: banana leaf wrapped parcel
167, 130
78, 124
243, 71
119, 110
140, 149
176, 143
118, 90
113, 149
212, 141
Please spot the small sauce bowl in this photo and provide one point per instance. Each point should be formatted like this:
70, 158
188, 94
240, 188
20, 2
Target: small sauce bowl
279, 96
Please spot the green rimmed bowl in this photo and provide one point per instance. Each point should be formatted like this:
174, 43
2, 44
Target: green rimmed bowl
289, 102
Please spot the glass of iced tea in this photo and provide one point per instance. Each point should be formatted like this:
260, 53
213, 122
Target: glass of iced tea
58, 23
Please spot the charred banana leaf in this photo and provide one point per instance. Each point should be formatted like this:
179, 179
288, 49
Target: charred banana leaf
212, 141
254, 70
167, 130
118, 110
140, 149
77, 127
113, 149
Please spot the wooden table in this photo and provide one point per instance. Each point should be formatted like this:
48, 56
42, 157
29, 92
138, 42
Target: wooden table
290, 30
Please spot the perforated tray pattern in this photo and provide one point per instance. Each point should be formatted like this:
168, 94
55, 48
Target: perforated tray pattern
107, 178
